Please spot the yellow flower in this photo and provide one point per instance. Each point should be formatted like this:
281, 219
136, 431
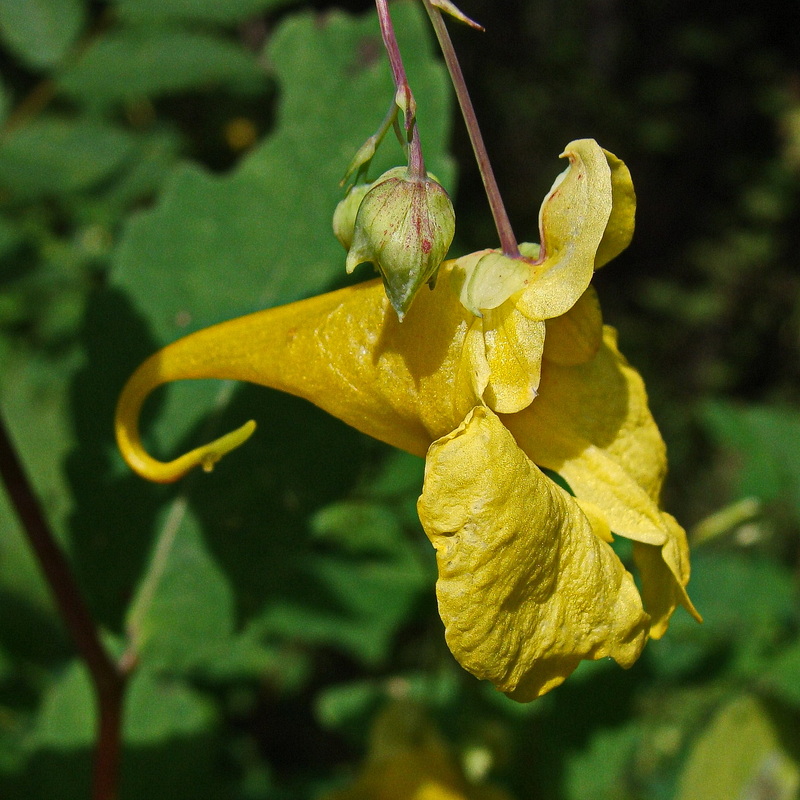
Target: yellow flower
528, 582
408, 760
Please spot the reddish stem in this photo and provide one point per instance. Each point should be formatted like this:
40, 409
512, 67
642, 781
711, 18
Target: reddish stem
416, 163
107, 678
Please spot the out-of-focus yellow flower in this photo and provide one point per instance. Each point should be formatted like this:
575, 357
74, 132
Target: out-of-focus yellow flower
408, 760
502, 369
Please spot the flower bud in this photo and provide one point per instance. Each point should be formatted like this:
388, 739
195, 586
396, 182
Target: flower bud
404, 226
344, 218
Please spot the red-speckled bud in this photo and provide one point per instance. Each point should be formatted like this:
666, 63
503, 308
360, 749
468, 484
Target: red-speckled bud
404, 226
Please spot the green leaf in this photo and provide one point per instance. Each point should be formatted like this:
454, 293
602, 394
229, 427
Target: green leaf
781, 678
765, 441
157, 709
19, 571
170, 751
397, 483
161, 708
10, 237
338, 706
33, 403
152, 62
293, 587
67, 716
601, 770
33, 397
5, 103
152, 161
748, 604
348, 707
400, 474
357, 605
40, 32
357, 527
222, 11
183, 611
261, 235
52, 156
247, 656
739, 755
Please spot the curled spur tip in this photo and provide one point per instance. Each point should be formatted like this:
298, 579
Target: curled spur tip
126, 425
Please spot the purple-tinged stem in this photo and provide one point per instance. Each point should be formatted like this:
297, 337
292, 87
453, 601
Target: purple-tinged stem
508, 241
108, 678
405, 98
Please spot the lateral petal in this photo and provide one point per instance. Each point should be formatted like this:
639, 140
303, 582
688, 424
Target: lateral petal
665, 573
526, 589
575, 337
591, 423
514, 346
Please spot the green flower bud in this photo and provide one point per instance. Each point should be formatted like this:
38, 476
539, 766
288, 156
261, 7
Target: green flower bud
344, 218
404, 226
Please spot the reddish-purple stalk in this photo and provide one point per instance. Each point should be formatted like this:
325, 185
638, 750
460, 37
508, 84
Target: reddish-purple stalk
108, 678
508, 241
416, 163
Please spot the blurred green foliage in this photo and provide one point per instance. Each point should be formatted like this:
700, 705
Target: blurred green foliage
165, 164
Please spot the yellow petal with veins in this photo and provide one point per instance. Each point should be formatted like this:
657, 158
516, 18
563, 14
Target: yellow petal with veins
526, 589
595, 410
514, 346
572, 221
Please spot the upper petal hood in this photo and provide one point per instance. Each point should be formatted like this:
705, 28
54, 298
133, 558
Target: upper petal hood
572, 222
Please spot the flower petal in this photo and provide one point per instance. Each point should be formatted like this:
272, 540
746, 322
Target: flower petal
590, 413
404, 383
486, 282
591, 424
619, 230
526, 589
665, 573
572, 221
575, 337
514, 346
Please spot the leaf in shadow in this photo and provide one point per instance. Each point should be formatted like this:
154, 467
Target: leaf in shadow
114, 514
171, 746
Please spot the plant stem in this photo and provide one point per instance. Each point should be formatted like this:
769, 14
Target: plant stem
403, 95
108, 679
501, 221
